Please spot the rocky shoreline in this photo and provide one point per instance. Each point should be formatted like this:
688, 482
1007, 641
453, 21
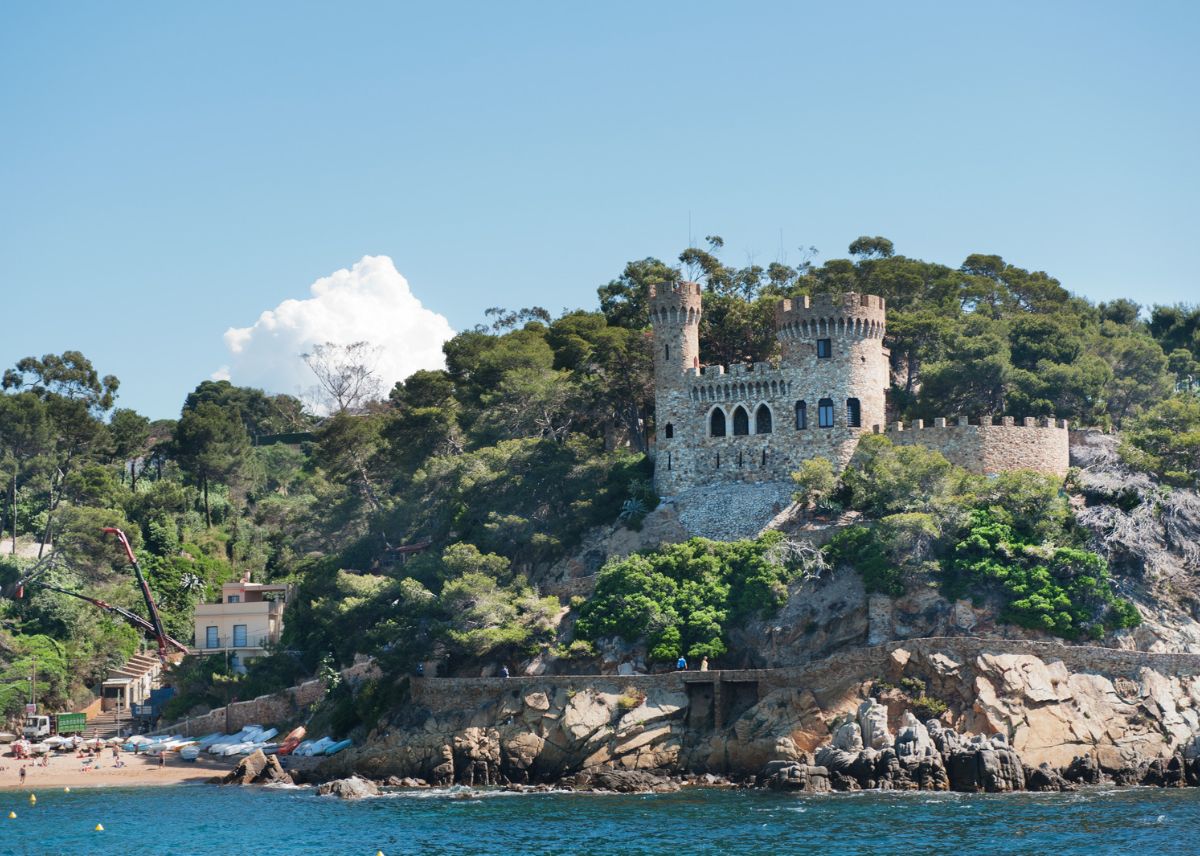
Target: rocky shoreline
863, 755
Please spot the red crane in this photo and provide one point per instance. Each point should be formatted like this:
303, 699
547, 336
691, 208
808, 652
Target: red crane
153, 627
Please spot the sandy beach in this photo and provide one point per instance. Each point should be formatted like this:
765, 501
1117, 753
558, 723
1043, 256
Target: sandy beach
66, 771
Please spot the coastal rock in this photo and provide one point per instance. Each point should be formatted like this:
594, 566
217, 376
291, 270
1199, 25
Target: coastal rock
1083, 770
1045, 778
985, 767
257, 769
913, 740
794, 776
873, 720
621, 781
353, 788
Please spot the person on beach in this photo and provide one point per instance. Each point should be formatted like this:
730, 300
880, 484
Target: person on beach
162, 760
22, 774
681, 664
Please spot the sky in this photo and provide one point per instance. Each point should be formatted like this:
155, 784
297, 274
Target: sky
208, 189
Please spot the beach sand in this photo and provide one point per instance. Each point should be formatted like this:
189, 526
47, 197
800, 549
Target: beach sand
64, 771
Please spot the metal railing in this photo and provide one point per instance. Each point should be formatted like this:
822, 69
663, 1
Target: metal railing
231, 642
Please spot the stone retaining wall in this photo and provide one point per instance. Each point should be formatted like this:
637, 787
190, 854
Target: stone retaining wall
446, 694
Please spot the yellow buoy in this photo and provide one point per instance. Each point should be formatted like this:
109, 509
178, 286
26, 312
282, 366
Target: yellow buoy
378, 853
12, 815
33, 798
66, 790
99, 827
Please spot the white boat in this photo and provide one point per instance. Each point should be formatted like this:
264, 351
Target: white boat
39, 748
190, 753
317, 747
7, 737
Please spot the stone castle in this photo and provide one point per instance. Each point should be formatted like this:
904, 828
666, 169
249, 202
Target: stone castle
756, 423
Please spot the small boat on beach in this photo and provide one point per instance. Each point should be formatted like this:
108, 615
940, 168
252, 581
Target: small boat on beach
291, 741
190, 753
7, 737
339, 746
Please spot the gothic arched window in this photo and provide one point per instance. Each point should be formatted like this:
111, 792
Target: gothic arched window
801, 415
717, 423
762, 420
741, 422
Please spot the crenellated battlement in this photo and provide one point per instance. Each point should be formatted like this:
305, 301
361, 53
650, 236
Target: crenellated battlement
990, 446
829, 316
964, 422
679, 303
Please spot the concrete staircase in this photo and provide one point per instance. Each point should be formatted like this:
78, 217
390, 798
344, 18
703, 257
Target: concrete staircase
104, 724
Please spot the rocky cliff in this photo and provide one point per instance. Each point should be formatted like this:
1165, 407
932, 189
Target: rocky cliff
1049, 703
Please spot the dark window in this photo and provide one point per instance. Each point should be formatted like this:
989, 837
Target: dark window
741, 422
762, 420
853, 413
717, 423
824, 348
668, 461
666, 352
801, 415
764, 463
670, 429
825, 413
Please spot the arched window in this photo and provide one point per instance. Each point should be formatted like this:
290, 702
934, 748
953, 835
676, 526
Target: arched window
801, 415
853, 413
669, 430
762, 420
717, 423
825, 413
741, 422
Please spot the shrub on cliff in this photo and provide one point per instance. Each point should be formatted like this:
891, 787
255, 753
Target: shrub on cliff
682, 599
1166, 441
1008, 536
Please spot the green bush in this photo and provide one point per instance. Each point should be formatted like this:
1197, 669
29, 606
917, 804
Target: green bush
683, 598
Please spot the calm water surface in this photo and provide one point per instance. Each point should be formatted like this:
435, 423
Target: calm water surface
210, 820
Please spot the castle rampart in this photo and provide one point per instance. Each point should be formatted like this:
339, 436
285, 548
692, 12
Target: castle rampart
1026, 444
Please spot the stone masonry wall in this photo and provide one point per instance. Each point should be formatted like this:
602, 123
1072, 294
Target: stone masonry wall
1033, 444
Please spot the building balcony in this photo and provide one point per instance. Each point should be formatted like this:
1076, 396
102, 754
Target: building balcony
253, 645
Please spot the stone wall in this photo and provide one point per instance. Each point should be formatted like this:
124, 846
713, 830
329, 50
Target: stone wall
448, 694
1032, 444
282, 708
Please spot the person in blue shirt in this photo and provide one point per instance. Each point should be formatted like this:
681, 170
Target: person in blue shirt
680, 664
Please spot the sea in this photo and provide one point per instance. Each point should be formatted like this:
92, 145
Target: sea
208, 820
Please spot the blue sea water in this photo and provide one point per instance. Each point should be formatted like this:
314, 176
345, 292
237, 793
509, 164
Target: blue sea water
210, 820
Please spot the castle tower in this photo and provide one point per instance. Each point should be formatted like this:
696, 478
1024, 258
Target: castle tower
834, 343
675, 316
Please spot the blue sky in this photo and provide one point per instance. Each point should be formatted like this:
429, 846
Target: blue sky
169, 171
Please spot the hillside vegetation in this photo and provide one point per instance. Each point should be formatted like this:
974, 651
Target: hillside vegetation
537, 430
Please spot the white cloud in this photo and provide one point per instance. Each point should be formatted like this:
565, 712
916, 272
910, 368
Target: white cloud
369, 302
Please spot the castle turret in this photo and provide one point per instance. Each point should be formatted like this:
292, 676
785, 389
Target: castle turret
836, 344
675, 315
